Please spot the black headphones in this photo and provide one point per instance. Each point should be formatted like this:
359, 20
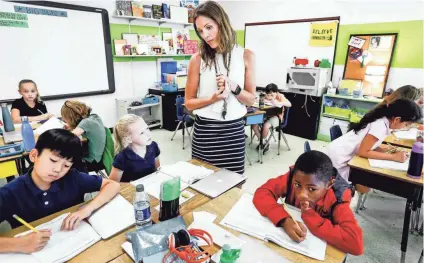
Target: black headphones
181, 238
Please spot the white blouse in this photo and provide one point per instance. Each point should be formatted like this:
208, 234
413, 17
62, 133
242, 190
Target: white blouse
208, 86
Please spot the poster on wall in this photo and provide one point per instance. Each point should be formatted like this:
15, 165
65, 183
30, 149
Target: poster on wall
370, 63
322, 34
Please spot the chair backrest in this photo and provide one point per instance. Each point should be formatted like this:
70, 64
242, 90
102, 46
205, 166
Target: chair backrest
179, 101
286, 117
307, 147
335, 132
109, 152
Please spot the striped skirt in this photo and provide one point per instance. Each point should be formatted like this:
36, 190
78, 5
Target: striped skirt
220, 143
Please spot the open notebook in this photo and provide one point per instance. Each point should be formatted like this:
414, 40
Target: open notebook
244, 218
410, 134
64, 245
391, 165
188, 173
52, 123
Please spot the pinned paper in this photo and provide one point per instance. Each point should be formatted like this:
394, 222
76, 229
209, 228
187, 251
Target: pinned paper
356, 42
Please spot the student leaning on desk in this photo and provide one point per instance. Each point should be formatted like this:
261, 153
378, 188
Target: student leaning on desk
323, 196
30, 104
366, 137
51, 186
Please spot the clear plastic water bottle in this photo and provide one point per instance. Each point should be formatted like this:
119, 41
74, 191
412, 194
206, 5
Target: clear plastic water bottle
27, 134
141, 205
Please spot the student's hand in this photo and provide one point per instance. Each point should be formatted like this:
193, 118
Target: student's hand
72, 220
34, 242
47, 116
293, 231
400, 156
305, 206
218, 95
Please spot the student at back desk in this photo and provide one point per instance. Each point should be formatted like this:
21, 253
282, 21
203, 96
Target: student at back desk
323, 196
49, 187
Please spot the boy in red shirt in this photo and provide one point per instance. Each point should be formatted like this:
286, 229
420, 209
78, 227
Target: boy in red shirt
314, 186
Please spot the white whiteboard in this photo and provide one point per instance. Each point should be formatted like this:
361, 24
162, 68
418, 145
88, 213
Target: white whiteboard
275, 46
65, 56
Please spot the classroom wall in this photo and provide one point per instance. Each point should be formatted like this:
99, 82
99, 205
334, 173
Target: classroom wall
359, 16
133, 78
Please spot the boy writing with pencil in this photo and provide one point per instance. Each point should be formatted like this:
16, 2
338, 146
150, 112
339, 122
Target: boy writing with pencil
314, 186
49, 187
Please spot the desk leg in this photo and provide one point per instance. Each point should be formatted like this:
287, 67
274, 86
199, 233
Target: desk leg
420, 260
279, 135
261, 146
406, 220
418, 212
183, 130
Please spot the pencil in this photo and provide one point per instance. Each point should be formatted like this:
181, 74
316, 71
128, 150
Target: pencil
287, 210
25, 223
40, 111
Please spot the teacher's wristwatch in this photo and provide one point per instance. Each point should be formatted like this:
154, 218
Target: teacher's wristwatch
237, 91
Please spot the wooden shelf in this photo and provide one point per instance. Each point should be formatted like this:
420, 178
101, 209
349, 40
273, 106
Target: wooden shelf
159, 21
147, 56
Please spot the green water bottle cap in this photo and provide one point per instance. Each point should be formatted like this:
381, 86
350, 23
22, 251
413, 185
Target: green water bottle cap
229, 255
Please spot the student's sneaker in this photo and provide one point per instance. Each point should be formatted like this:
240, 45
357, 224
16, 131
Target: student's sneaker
266, 148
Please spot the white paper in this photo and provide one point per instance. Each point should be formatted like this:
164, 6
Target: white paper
64, 245
152, 183
52, 123
391, 165
113, 217
254, 251
18, 258
188, 172
219, 235
127, 246
204, 216
244, 217
410, 134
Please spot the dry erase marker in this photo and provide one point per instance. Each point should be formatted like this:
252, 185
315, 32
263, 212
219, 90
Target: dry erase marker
25, 223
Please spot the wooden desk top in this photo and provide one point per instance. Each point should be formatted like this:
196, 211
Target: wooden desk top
109, 249
363, 164
393, 140
258, 112
220, 206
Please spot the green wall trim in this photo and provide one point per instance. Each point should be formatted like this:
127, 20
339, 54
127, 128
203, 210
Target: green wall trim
409, 44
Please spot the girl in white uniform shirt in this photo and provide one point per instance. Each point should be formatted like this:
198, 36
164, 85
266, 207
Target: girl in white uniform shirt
366, 137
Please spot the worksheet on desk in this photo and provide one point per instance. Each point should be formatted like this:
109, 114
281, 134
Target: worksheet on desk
64, 245
391, 165
410, 134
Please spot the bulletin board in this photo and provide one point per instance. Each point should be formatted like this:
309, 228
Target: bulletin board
371, 63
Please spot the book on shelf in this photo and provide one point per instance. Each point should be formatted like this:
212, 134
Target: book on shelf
165, 11
123, 8
157, 11
191, 6
119, 46
190, 46
147, 11
137, 8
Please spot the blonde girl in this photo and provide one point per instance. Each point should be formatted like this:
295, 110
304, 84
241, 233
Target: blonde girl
137, 155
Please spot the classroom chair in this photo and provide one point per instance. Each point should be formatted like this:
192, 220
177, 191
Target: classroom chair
281, 128
307, 147
182, 118
107, 158
335, 132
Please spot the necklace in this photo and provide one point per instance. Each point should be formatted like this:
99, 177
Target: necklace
224, 107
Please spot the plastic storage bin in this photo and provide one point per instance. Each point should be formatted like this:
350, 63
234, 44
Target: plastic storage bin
338, 111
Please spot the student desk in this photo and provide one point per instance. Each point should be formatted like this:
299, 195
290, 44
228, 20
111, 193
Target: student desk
252, 118
399, 142
389, 181
110, 249
221, 205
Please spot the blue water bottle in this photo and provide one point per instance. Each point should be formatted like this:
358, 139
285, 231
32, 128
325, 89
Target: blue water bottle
7, 119
27, 134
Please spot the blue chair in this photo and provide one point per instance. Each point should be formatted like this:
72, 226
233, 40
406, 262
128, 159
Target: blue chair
335, 132
280, 129
182, 118
307, 147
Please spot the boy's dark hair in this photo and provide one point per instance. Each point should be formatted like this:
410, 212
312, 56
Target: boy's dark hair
271, 88
63, 142
407, 110
317, 163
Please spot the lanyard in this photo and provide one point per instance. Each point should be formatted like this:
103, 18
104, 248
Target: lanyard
224, 107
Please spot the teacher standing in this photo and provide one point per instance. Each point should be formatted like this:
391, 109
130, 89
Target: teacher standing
220, 83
